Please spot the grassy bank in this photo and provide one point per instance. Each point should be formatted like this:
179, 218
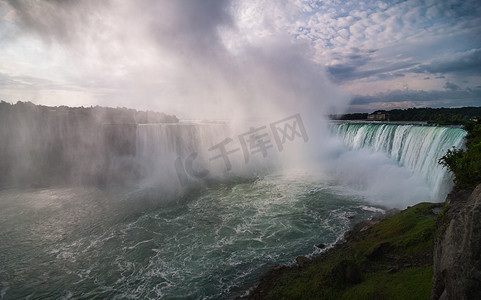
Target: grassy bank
387, 259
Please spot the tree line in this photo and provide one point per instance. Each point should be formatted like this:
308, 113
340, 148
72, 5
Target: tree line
442, 116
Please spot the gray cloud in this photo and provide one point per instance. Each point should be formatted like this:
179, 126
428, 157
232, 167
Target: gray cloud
190, 28
451, 86
148, 49
468, 63
175, 56
352, 71
434, 98
28, 82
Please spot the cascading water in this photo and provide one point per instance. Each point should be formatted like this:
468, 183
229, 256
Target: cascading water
155, 140
417, 148
212, 242
174, 150
163, 148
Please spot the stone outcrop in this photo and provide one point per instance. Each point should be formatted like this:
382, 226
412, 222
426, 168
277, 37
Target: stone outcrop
457, 251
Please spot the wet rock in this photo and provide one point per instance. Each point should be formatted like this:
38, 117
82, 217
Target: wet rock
321, 246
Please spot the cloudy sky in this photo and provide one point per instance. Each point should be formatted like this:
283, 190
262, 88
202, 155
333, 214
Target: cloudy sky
194, 57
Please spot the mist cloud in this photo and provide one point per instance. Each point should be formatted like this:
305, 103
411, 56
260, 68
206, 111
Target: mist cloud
57, 20
197, 59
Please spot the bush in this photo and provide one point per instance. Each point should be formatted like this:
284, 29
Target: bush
466, 164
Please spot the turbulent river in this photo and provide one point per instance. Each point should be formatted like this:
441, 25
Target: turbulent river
212, 242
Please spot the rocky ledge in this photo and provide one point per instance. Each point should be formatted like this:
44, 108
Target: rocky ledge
457, 250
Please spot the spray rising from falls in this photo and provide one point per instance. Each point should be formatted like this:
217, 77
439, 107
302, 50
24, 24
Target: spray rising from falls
416, 148
162, 150
156, 140
189, 153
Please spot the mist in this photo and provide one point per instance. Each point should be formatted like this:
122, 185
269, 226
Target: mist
206, 59
197, 60
203, 60
181, 148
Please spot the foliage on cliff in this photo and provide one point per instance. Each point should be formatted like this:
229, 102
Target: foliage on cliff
465, 164
388, 260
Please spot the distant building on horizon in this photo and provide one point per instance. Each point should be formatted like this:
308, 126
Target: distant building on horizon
378, 116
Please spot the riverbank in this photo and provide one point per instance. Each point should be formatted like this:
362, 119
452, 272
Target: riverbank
390, 258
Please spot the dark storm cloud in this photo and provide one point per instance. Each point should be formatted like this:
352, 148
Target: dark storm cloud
446, 98
467, 63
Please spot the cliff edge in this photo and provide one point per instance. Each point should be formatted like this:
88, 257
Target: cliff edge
457, 249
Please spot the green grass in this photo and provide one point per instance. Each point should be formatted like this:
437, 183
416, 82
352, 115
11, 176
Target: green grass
359, 268
409, 232
411, 283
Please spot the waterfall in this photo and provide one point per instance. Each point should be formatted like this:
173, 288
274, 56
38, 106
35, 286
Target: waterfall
180, 139
417, 148
191, 151
163, 150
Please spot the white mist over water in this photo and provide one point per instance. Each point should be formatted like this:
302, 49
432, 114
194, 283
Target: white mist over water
396, 165
389, 165
226, 60
197, 59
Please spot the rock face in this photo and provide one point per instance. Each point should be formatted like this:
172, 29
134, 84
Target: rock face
457, 250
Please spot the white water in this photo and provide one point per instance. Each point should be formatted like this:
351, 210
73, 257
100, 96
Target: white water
164, 151
415, 148
390, 165
215, 241
154, 140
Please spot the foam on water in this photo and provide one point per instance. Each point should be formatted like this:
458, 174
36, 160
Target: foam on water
212, 244
216, 239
